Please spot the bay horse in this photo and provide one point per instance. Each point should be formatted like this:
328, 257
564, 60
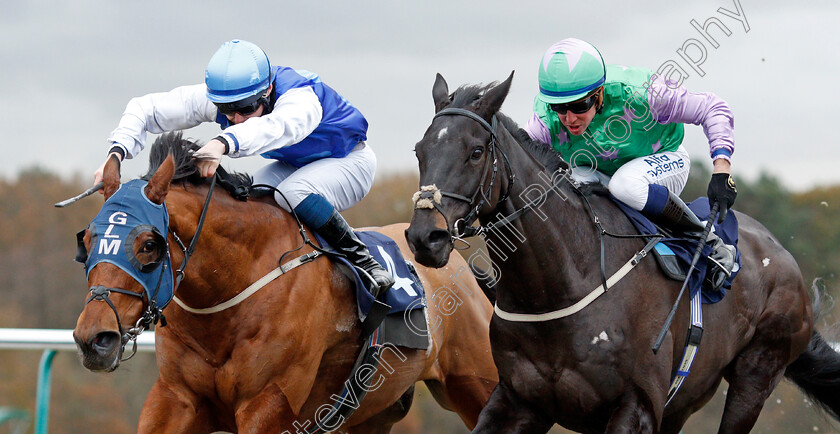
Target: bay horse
271, 362
593, 370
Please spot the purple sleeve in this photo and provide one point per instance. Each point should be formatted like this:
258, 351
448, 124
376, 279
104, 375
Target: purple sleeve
678, 105
537, 130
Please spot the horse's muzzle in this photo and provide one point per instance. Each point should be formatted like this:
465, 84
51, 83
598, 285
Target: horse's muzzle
431, 246
101, 352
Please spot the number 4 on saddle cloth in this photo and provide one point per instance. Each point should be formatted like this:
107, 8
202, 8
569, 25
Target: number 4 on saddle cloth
405, 323
674, 254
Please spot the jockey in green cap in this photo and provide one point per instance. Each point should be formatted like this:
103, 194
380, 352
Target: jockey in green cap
623, 127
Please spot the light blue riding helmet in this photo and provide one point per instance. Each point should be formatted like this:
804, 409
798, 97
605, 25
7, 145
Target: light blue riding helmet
238, 70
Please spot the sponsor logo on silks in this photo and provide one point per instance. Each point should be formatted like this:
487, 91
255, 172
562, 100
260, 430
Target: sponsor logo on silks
655, 160
662, 164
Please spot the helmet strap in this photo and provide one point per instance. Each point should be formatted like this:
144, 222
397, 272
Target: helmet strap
601, 102
267, 102
265, 105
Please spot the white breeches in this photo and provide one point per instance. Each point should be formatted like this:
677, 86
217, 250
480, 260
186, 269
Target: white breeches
342, 181
629, 183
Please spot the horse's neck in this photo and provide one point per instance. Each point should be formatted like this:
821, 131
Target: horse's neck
554, 245
238, 244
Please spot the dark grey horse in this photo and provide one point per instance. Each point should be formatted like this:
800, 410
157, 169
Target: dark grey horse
594, 371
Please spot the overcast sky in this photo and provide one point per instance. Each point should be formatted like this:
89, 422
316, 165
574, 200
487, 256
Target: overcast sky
70, 67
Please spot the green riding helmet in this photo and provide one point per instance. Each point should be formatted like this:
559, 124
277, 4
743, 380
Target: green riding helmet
570, 69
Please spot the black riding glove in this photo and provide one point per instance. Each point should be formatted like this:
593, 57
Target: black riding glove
722, 191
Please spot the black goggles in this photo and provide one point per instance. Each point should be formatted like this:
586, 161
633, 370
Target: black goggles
243, 107
578, 107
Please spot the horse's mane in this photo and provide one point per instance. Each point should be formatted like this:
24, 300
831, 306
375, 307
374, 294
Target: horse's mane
468, 94
181, 150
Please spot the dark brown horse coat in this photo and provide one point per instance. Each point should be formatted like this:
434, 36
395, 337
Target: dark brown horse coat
594, 371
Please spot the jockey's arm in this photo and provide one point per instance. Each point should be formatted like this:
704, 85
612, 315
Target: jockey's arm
296, 114
537, 130
722, 165
676, 104
181, 108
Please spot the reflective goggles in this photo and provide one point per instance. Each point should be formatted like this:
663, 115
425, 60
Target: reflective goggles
578, 107
243, 107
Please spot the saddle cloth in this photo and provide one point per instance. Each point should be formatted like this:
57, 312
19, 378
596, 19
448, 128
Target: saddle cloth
681, 250
405, 324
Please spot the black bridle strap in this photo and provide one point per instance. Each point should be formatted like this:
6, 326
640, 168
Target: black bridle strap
471, 115
508, 219
468, 219
102, 293
456, 197
179, 274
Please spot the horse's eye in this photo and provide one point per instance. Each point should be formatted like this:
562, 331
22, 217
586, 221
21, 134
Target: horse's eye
149, 247
477, 152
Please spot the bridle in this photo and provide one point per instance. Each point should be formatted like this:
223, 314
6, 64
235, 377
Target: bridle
429, 196
153, 312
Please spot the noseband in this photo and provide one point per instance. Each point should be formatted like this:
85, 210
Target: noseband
429, 196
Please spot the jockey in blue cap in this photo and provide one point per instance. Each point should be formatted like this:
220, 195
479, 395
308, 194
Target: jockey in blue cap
315, 138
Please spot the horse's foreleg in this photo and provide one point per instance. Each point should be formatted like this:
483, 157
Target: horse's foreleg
755, 373
170, 410
634, 415
382, 422
465, 395
269, 411
506, 413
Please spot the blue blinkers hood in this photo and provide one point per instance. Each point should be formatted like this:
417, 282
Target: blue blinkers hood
124, 216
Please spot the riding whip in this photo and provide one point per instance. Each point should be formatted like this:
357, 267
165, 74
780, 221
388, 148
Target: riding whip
700, 245
87, 193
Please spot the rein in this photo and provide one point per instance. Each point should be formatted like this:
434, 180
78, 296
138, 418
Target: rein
188, 251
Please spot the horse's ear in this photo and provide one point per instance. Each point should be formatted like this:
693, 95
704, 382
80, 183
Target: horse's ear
158, 186
440, 93
492, 101
111, 176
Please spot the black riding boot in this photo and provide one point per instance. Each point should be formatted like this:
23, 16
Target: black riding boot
341, 237
678, 217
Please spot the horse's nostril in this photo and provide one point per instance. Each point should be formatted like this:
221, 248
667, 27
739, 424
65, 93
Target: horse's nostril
105, 342
438, 236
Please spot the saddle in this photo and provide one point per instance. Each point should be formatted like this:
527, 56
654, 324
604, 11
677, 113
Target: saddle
401, 310
399, 315
674, 254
